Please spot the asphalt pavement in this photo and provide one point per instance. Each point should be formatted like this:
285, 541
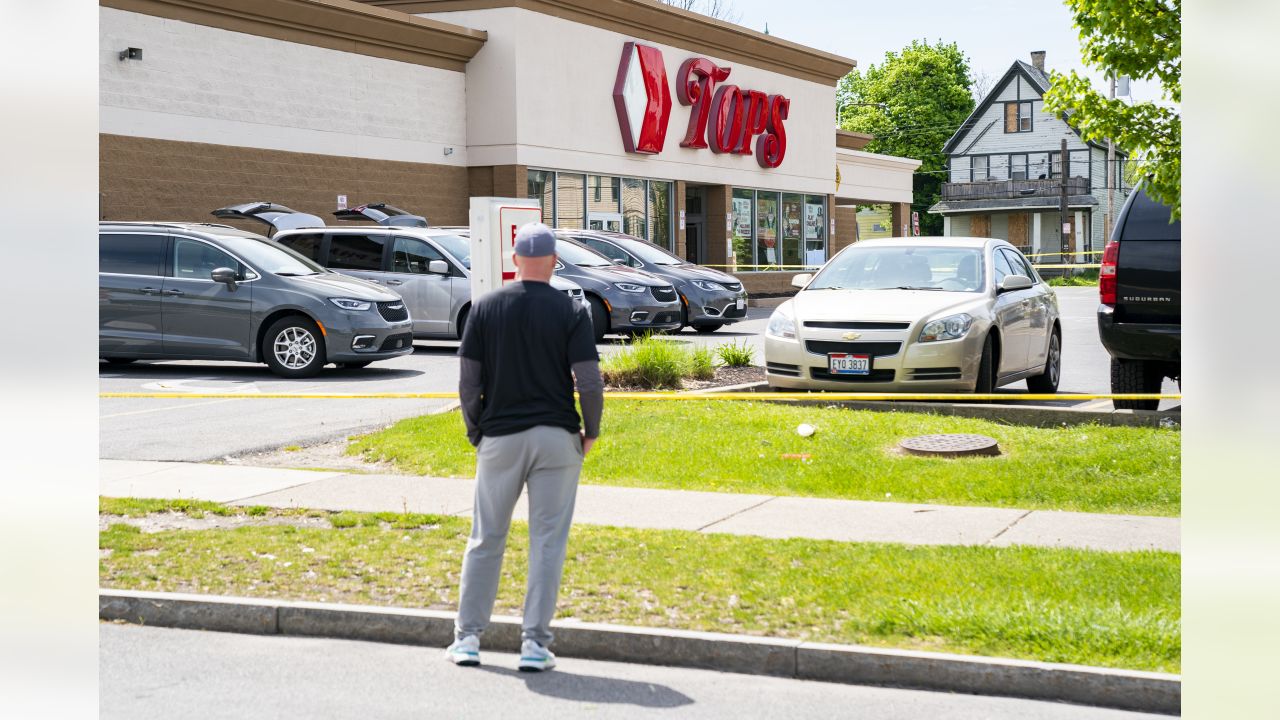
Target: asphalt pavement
147, 672
201, 430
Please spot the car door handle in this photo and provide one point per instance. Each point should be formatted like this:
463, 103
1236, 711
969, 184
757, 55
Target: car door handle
173, 292
149, 291
395, 282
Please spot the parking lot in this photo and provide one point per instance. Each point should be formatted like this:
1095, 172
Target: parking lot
198, 429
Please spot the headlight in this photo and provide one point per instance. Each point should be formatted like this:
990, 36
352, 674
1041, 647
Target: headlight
629, 287
351, 304
782, 326
708, 285
953, 327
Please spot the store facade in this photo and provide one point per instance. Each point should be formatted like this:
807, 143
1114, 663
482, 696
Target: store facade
714, 141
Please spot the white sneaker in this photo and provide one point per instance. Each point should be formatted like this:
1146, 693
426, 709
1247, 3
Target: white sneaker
464, 652
534, 657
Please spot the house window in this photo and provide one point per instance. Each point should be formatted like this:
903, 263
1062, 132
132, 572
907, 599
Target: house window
979, 165
1017, 167
1017, 116
1079, 164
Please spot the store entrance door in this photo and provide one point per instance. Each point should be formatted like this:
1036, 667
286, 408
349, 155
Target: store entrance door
695, 237
611, 222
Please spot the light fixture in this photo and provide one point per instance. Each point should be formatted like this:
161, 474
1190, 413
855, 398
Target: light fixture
131, 54
448, 151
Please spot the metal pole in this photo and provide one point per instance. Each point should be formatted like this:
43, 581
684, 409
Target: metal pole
1063, 210
1111, 176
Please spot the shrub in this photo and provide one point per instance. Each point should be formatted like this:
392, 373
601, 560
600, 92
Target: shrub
648, 363
701, 365
735, 355
1084, 279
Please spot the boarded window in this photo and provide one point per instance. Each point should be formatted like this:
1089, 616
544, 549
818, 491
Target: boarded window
1011, 117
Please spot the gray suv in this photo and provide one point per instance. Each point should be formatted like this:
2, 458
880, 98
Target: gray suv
197, 291
429, 267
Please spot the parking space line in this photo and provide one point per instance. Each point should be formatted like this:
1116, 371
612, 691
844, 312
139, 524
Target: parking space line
171, 407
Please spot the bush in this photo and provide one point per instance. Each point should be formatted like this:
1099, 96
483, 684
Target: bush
648, 363
702, 365
1084, 279
735, 355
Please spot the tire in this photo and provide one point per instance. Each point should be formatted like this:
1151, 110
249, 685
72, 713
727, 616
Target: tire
708, 329
1047, 382
463, 314
986, 382
120, 361
599, 318
1135, 376
354, 365
301, 351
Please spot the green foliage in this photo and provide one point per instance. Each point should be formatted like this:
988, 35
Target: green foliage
1088, 278
136, 507
1117, 609
1087, 468
1144, 41
655, 364
736, 355
912, 102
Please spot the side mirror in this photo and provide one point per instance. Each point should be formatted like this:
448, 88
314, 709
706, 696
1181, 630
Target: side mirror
620, 261
438, 267
801, 280
224, 275
1015, 282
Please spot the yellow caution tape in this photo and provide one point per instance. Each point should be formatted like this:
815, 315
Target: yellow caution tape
671, 395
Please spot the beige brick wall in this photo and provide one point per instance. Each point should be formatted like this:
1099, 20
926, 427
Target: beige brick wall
148, 179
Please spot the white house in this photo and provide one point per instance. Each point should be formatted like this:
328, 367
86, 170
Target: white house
1004, 170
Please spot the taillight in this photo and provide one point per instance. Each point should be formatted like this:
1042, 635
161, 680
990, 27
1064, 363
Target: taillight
1107, 273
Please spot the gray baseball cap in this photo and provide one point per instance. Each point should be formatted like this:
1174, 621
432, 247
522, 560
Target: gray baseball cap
535, 240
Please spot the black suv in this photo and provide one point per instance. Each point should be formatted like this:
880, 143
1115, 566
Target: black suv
1140, 288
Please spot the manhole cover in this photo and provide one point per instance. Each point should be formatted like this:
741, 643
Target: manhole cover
950, 445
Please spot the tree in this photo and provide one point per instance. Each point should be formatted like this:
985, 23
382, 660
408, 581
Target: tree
1141, 39
912, 103
717, 9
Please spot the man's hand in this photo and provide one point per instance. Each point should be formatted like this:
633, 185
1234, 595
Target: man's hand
586, 443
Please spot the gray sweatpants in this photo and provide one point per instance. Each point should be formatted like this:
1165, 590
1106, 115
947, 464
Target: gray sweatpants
548, 460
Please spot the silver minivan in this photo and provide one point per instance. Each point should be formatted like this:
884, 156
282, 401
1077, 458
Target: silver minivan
428, 267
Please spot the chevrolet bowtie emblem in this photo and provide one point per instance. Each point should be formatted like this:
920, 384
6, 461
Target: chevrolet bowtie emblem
851, 336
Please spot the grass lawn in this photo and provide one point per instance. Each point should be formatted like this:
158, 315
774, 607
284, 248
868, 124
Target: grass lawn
1093, 608
752, 447
1088, 278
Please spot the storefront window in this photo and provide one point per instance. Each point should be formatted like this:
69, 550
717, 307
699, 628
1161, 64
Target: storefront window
792, 229
602, 194
766, 229
633, 217
570, 210
815, 230
659, 209
743, 236
542, 188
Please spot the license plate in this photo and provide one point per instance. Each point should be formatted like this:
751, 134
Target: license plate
846, 364
741, 304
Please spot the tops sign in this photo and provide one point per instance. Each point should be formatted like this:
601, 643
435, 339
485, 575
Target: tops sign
724, 118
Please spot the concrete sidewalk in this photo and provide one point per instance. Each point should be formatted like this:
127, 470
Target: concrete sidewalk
761, 515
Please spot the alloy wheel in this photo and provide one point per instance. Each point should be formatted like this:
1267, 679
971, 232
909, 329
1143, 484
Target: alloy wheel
294, 348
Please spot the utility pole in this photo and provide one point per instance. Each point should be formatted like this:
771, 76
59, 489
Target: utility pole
1064, 213
1111, 176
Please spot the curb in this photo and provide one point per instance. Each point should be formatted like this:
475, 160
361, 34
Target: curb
1034, 415
1103, 687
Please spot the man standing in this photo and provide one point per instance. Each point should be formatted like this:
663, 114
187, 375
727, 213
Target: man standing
522, 348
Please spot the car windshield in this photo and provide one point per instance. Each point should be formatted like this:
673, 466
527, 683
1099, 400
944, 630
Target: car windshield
579, 255
459, 248
648, 252
908, 268
271, 257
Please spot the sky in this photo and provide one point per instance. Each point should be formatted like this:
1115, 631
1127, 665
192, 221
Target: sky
993, 33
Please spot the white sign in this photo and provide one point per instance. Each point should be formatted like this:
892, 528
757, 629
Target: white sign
1066, 228
833, 228
494, 223
342, 202
728, 222
682, 219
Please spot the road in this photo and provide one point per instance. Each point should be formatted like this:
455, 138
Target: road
164, 673
199, 430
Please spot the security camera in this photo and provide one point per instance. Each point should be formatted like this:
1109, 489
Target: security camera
131, 54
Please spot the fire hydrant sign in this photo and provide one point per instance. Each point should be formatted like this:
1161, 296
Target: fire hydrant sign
494, 224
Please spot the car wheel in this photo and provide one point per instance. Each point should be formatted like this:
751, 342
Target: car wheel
599, 318
986, 382
354, 365
120, 361
708, 329
1047, 382
462, 320
1135, 376
294, 348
